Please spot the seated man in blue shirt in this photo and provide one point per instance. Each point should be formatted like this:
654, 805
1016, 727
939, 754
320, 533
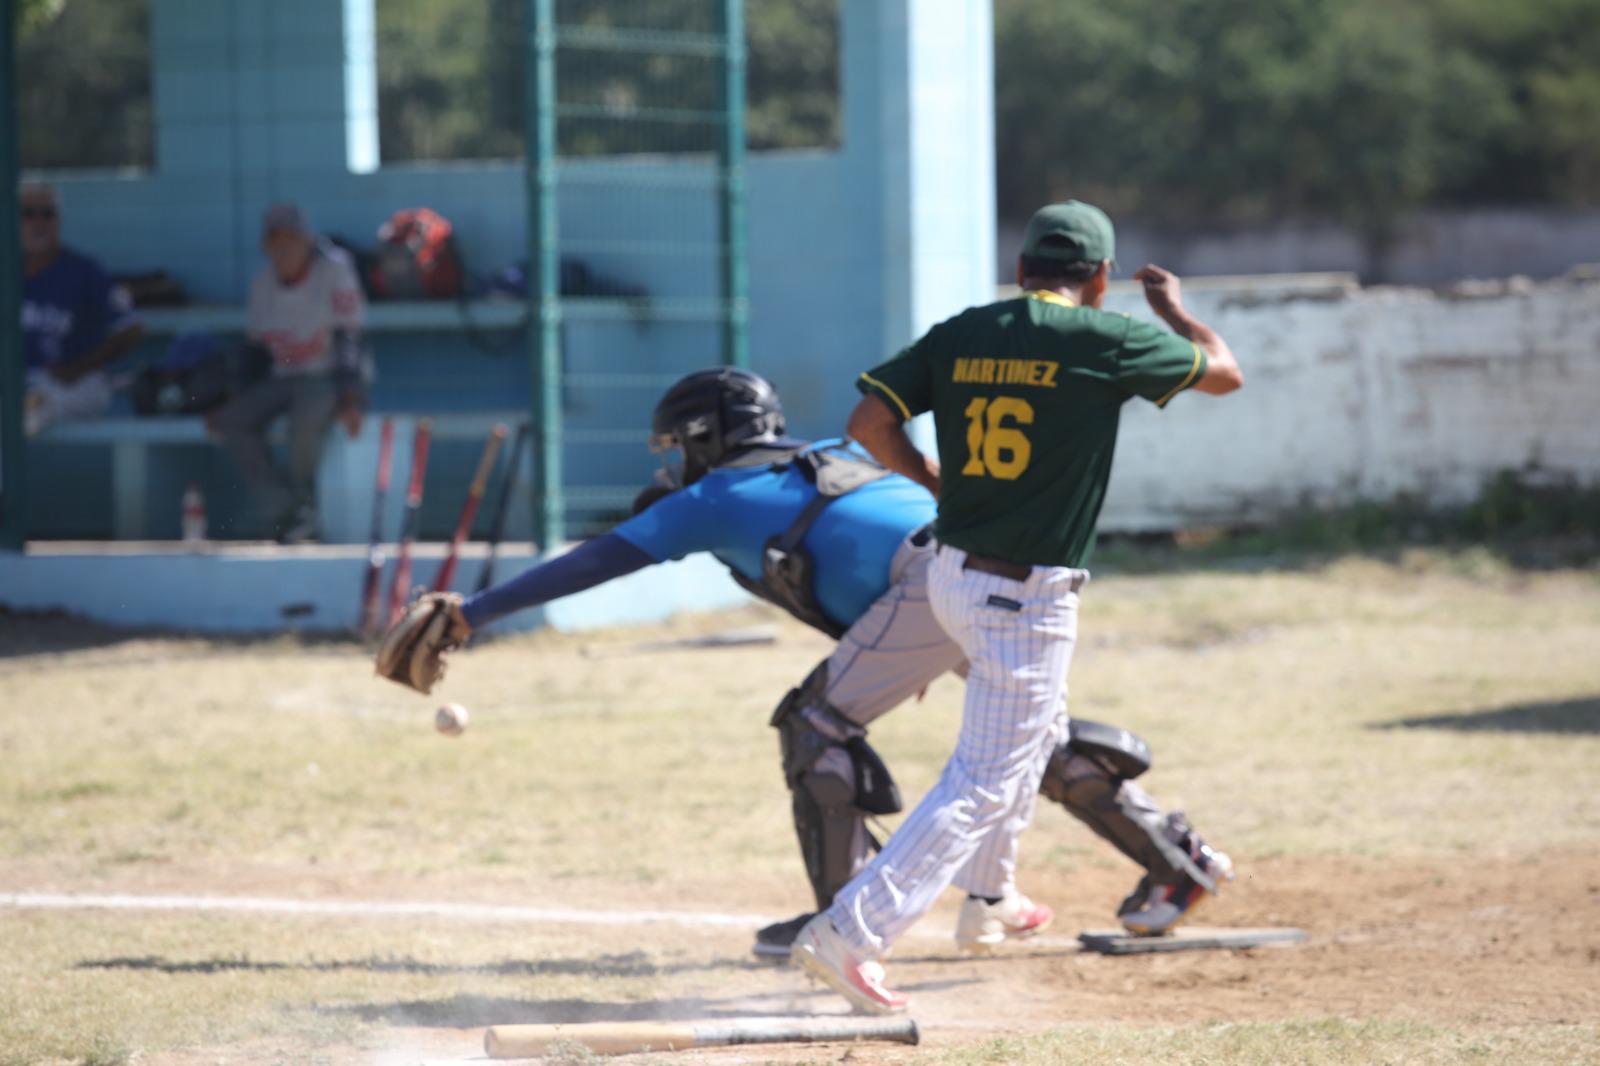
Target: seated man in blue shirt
844, 545
75, 320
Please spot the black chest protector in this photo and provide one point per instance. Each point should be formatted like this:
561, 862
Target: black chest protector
787, 569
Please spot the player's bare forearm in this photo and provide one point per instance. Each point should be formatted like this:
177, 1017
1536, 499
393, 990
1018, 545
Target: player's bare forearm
1222, 369
882, 434
1165, 295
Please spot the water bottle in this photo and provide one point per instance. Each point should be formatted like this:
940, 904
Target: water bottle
194, 515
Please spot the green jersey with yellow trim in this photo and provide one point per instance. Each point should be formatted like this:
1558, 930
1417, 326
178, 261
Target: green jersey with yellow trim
1026, 395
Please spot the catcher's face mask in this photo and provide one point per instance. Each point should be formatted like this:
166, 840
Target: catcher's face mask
670, 449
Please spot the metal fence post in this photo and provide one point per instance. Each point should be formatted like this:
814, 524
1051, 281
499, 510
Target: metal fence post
13, 467
544, 272
734, 266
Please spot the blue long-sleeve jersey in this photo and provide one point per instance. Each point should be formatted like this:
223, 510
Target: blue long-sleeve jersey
731, 512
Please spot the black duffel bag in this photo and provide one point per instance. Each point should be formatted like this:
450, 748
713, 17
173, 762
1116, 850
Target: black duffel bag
197, 374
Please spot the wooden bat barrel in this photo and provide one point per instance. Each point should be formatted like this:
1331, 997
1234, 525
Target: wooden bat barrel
618, 1038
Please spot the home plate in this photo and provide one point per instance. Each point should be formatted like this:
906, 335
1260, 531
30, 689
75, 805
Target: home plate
1189, 938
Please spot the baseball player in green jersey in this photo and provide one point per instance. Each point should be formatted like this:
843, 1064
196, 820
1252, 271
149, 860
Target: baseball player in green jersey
1026, 395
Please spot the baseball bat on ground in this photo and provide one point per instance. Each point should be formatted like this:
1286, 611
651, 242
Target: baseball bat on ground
620, 1038
497, 526
372, 587
469, 509
408, 524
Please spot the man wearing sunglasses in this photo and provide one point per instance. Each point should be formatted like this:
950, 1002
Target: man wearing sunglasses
75, 320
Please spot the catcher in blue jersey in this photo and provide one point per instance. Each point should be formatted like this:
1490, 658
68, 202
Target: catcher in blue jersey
842, 544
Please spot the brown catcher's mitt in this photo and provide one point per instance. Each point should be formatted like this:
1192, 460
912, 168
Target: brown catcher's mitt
412, 652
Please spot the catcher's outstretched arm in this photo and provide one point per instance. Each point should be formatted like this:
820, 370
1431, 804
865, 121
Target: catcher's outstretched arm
591, 563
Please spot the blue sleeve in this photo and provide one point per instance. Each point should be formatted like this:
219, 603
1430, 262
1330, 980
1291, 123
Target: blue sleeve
591, 563
106, 305
674, 526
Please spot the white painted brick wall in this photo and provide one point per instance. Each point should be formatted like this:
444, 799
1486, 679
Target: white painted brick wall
1366, 395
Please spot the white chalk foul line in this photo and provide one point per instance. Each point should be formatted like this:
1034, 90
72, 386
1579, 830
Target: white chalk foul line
471, 912
468, 912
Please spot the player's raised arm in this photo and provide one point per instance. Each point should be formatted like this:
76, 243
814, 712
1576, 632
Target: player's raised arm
1165, 295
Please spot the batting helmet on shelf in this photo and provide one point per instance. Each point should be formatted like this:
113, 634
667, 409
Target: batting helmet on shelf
713, 413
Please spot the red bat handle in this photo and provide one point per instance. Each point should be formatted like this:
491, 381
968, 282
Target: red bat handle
385, 454
419, 467
371, 588
447, 569
402, 572
469, 510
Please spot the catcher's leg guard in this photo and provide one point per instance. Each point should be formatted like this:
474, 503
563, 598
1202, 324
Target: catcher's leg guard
1156, 908
1120, 812
834, 780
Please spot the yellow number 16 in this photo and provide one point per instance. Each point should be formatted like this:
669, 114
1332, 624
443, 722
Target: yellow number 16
994, 448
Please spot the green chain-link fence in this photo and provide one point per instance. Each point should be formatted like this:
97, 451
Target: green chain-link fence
636, 114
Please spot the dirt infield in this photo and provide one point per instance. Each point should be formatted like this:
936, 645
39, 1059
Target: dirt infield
1426, 943
1399, 757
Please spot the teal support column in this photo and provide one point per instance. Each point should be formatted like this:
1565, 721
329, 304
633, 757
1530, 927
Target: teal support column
13, 469
919, 135
544, 272
361, 86
733, 240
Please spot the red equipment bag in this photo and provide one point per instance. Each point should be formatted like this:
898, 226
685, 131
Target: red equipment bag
416, 257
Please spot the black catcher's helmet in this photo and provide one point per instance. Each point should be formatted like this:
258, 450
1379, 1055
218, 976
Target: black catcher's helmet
711, 414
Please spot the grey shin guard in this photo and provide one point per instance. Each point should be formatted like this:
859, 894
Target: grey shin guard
1120, 812
834, 841
834, 783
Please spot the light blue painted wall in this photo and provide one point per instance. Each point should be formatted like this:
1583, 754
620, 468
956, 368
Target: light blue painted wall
852, 252
246, 590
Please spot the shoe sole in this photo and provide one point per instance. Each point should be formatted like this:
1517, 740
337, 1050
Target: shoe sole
1205, 897
1224, 873
811, 964
771, 952
988, 947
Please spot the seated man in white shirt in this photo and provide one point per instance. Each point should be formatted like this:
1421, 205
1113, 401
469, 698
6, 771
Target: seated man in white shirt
307, 310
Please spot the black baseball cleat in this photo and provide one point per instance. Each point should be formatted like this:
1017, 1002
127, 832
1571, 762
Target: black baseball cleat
774, 941
1156, 909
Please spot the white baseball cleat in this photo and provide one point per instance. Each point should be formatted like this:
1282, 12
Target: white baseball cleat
983, 926
823, 953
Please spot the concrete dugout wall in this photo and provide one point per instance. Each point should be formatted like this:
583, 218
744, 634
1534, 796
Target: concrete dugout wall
852, 252
1365, 393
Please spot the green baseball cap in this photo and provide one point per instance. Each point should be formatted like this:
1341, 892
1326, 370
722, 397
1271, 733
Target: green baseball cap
1076, 233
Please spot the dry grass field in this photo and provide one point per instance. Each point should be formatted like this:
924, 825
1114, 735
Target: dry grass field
1402, 756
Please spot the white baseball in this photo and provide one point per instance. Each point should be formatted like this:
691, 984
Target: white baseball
451, 719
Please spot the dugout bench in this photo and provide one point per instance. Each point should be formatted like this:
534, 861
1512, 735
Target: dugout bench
345, 478
123, 475
464, 366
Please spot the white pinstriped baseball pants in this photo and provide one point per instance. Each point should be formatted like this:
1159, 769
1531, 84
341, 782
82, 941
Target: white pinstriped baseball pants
1018, 638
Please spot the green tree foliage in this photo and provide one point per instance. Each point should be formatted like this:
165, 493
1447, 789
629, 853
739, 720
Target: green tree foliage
83, 84
32, 13
450, 77
1547, 55
1193, 112
1202, 112
794, 73
444, 87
